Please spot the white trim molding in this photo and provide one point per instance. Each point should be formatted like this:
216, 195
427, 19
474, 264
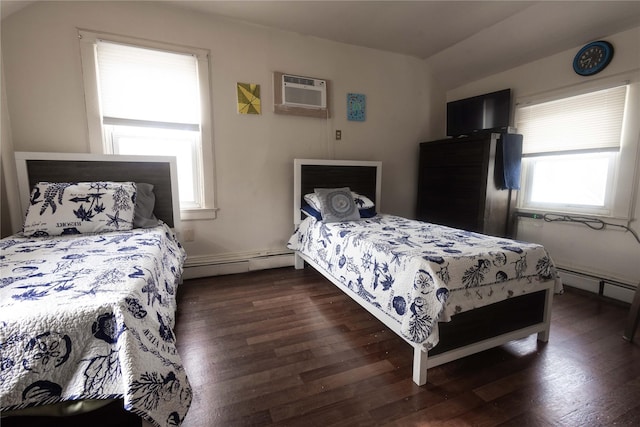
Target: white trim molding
235, 262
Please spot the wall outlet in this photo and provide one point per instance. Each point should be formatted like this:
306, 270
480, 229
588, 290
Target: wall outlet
338, 135
188, 235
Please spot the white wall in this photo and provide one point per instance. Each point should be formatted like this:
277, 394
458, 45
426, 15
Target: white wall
253, 154
611, 253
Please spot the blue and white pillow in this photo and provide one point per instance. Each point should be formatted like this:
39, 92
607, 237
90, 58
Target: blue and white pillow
59, 208
309, 211
363, 202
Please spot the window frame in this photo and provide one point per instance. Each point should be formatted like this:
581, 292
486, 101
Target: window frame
99, 142
619, 201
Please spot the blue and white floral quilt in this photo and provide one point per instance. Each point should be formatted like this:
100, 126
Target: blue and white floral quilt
420, 273
91, 317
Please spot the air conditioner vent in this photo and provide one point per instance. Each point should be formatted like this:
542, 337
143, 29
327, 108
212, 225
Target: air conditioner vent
304, 92
299, 80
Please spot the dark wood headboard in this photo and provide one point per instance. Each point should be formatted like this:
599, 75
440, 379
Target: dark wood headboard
62, 167
363, 177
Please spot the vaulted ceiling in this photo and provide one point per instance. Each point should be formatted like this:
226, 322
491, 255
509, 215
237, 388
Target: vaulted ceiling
461, 40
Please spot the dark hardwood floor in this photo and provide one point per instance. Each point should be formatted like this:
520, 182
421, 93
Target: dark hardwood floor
285, 347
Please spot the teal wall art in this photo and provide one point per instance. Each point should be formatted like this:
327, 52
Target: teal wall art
356, 107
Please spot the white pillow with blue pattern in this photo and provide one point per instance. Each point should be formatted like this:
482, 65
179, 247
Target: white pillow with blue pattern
59, 208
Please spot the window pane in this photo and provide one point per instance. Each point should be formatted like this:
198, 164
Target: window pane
163, 142
570, 180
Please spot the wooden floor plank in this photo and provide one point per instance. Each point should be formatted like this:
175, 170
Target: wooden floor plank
285, 347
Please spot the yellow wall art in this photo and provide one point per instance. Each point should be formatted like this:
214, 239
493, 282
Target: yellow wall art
248, 98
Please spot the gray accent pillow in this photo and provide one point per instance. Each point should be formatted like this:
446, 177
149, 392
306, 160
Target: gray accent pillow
337, 204
145, 202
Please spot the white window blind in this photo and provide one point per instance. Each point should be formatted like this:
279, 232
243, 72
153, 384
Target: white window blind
587, 123
139, 85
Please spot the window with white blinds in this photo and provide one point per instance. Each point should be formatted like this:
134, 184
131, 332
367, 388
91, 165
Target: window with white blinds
151, 98
587, 122
572, 152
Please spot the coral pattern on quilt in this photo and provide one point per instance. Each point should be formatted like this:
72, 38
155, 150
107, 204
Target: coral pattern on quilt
408, 269
91, 317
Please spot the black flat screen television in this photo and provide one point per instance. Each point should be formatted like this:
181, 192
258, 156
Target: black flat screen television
491, 111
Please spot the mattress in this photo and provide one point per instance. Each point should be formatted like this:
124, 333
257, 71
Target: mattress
420, 273
91, 317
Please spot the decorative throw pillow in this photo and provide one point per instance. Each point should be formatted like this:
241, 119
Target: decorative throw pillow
336, 204
145, 202
84, 207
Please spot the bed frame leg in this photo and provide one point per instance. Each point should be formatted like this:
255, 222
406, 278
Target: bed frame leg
298, 261
544, 335
419, 366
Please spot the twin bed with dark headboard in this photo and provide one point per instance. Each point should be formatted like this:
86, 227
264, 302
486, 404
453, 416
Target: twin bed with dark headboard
448, 293
160, 171
88, 316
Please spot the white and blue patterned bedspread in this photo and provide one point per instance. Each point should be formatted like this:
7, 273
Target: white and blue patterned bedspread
91, 317
413, 270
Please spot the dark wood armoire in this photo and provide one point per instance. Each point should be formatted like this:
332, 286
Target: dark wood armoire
460, 184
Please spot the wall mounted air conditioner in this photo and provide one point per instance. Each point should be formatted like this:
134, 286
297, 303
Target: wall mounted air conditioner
305, 92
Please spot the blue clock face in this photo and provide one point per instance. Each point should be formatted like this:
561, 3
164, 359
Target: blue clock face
593, 58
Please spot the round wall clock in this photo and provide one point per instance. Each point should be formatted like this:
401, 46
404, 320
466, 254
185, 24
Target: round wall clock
593, 58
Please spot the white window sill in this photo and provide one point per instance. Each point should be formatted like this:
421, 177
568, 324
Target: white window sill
198, 214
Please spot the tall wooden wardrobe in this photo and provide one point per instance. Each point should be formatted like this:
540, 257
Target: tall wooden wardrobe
461, 184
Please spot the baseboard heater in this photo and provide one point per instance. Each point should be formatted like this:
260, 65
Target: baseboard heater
601, 280
204, 266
